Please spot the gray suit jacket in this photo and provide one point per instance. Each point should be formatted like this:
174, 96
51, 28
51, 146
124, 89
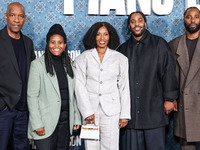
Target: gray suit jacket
105, 83
44, 101
186, 121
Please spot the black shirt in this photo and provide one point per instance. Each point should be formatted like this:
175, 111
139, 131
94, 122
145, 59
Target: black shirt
191, 45
20, 53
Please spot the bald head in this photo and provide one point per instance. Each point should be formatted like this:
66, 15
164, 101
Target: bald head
15, 4
15, 18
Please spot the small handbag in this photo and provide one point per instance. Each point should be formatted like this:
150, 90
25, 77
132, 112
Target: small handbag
89, 131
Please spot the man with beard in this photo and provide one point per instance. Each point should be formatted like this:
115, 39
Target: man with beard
186, 50
153, 86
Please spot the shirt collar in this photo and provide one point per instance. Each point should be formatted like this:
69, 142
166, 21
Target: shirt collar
143, 39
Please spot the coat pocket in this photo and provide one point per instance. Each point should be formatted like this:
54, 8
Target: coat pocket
115, 96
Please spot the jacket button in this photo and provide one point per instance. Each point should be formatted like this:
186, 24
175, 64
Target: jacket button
101, 82
101, 69
18, 95
99, 94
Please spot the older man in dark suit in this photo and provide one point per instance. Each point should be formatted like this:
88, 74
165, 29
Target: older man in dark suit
186, 50
16, 53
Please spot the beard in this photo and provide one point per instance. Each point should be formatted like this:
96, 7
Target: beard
192, 30
138, 34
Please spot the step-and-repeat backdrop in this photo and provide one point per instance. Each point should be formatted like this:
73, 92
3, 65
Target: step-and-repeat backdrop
164, 18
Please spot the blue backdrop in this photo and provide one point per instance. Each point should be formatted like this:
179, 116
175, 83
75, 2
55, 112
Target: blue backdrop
42, 14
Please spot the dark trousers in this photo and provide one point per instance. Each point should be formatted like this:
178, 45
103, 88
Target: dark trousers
60, 138
13, 130
148, 139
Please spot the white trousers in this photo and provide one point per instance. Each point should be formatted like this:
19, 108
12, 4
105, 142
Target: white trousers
109, 132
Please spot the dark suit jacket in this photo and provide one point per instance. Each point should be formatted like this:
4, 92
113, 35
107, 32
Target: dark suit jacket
10, 80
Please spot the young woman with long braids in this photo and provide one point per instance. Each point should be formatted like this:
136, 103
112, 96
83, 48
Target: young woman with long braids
53, 112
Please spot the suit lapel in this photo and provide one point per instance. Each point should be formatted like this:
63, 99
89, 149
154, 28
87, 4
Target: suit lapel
95, 55
54, 82
183, 58
194, 67
53, 79
70, 86
7, 44
106, 55
27, 53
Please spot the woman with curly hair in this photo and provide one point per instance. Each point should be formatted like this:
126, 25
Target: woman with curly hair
102, 86
53, 112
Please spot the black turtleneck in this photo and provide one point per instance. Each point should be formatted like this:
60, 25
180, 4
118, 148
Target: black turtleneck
62, 82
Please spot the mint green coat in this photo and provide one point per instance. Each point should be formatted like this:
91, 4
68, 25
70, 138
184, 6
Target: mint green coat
44, 101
